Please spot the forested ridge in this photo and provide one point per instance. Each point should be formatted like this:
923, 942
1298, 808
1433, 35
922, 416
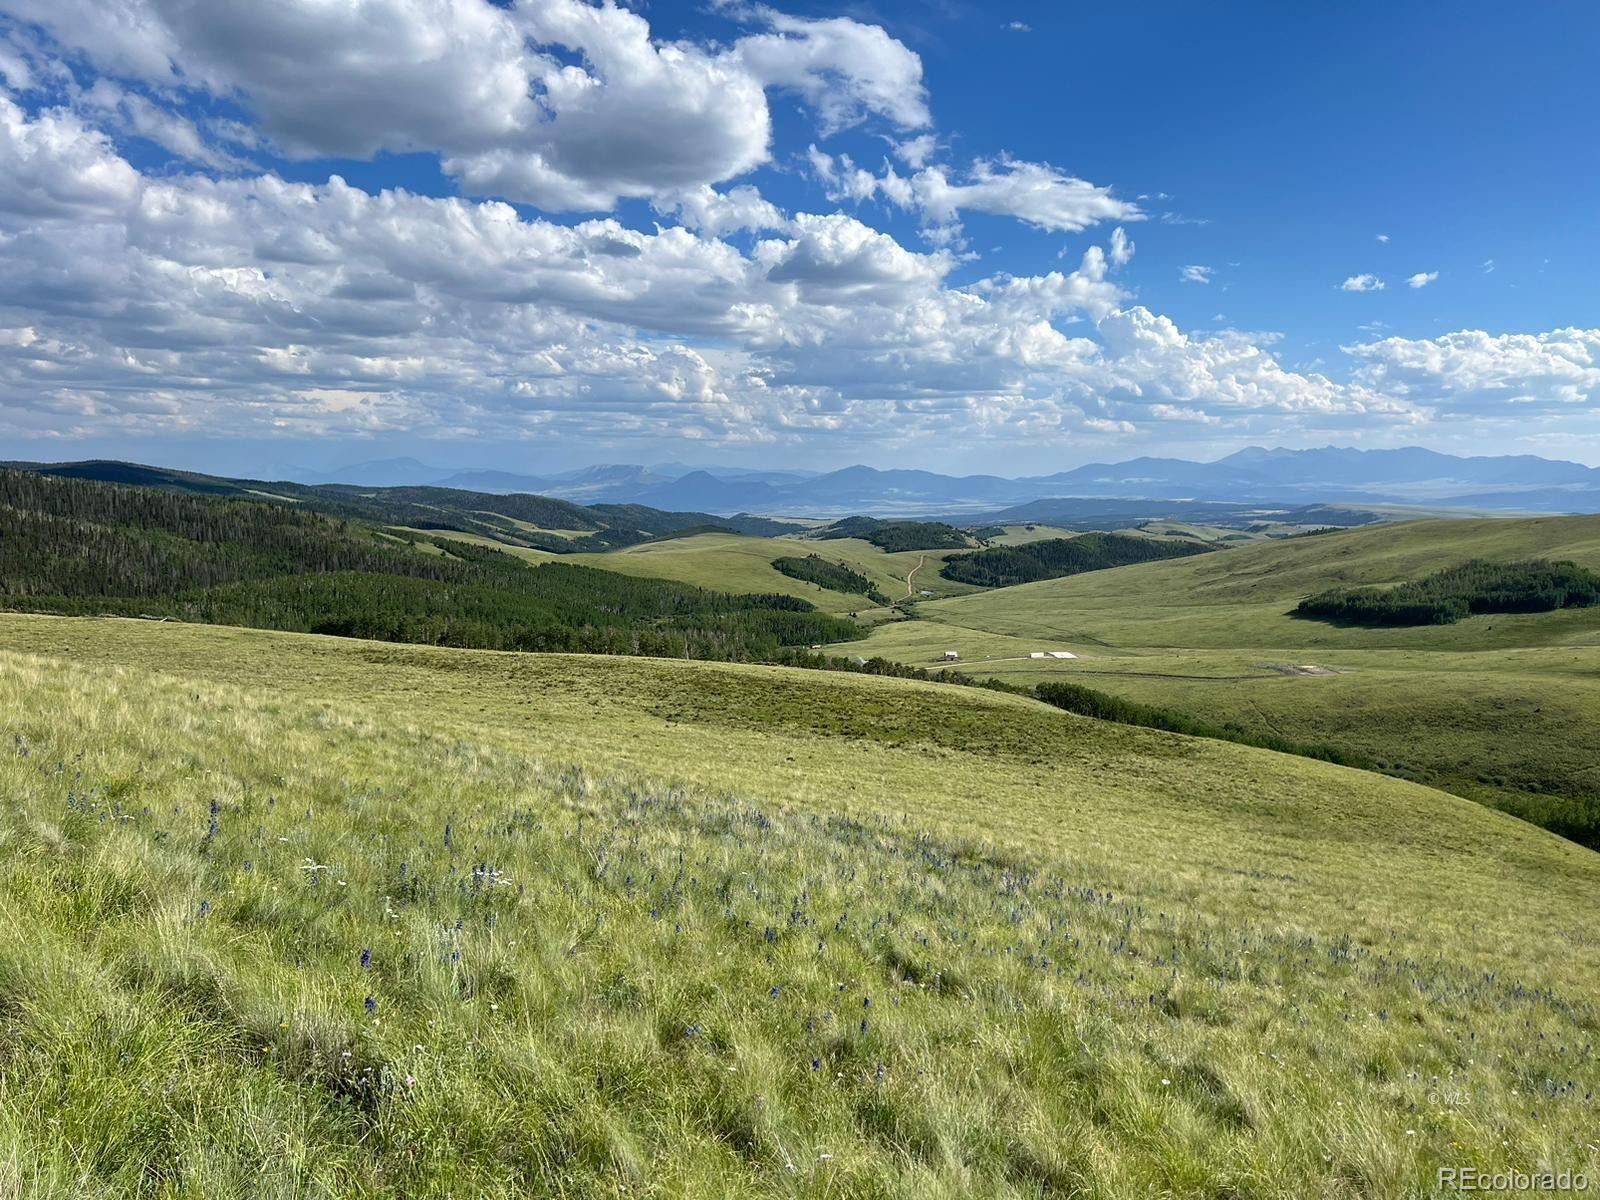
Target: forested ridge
1448, 596
70, 546
835, 576
518, 519
892, 537
1052, 558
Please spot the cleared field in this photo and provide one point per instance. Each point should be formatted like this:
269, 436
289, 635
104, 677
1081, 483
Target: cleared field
320, 917
1021, 535
1501, 708
478, 539
1196, 533
729, 562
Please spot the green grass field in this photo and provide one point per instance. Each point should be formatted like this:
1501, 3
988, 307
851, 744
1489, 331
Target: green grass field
1499, 708
314, 917
1021, 535
735, 563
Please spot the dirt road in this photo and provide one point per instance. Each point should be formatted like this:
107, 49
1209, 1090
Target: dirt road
912, 574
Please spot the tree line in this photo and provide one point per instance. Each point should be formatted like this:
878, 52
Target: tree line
835, 576
74, 547
1447, 596
1053, 558
892, 537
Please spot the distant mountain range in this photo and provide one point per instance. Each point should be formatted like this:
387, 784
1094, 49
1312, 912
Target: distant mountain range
1331, 475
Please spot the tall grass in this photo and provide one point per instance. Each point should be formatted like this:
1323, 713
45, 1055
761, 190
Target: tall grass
276, 947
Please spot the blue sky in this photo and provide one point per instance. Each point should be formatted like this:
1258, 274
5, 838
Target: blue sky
545, 233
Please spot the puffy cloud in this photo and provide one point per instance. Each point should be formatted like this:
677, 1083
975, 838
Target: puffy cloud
55, 167
254, 305
230, 300
131, 112
1148, 359
324, 78
636, 119
1486, 374
1422, 279
844, 69
1035, 193
720, 213
1363, 283
561, 103
1121, 247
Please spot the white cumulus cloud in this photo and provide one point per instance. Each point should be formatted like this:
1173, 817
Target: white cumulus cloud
1481, 373
1363, 283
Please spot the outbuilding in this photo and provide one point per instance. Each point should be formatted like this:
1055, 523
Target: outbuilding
951, 656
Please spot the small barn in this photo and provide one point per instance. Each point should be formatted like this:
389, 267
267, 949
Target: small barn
1062, 654
1038, 654
952, 656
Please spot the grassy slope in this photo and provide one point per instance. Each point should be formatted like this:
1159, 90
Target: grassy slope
1099, 959
1494, 707
1241, 597
1021, 535
745, 564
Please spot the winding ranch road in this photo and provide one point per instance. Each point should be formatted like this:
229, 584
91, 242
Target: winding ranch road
912, 574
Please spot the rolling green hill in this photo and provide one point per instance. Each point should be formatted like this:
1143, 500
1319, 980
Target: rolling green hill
1498, 707
732, 561
518, 520
316, 917
73, 546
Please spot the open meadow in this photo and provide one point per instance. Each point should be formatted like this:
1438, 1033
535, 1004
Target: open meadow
738, 563
1498, 707
310, 916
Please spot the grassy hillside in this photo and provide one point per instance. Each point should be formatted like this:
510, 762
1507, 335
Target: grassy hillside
318, 917
1243, 597
1498, 707
734, 562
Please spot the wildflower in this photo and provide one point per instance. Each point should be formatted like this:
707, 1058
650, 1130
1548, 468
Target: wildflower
411, 1080
366, 958
372, 1006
